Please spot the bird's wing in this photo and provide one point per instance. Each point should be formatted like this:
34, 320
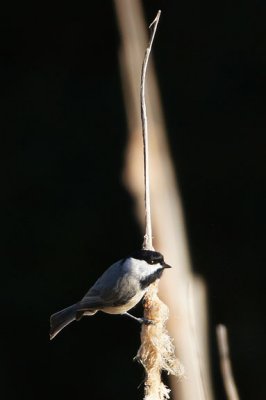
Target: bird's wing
91, 303
115, 287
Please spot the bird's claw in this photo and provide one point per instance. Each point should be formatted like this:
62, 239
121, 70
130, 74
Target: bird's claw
146, 321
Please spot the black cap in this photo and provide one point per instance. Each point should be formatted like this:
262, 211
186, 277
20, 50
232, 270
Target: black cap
150, 256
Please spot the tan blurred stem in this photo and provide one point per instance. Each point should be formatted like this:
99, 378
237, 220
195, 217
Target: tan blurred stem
197, 298
225, 363
168, 220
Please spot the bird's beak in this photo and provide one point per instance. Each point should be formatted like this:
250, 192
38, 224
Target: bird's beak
166, 265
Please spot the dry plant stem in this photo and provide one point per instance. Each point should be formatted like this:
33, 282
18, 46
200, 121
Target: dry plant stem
167, 216
157, 351
225, 363
147, 244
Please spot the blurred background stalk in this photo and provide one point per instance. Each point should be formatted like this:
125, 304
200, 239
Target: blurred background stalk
180, 289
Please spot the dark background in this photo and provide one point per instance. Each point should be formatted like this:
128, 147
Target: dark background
66, 215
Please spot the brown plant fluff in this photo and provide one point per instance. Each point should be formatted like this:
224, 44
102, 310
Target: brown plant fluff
157, 352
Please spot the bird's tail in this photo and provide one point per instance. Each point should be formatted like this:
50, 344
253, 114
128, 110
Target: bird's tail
62, 318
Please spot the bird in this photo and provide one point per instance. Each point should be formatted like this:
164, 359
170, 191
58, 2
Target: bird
118, 289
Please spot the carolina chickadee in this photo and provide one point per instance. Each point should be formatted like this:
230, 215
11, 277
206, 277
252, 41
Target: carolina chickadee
118, 290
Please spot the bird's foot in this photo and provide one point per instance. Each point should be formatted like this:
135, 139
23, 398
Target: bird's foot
144, 321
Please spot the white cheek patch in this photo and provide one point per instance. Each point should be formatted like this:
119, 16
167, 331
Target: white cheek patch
148, 270
141, 268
